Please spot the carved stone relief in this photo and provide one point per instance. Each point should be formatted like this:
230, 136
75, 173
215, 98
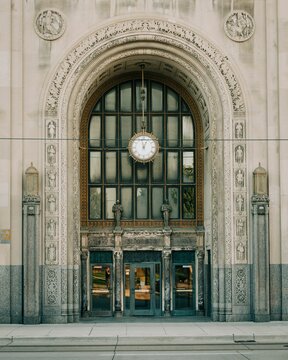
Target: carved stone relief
49, 24
241, 286
51, 130
52, 295
239, 26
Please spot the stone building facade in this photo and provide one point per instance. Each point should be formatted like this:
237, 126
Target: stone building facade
137, 141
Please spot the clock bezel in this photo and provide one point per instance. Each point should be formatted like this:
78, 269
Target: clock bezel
152, 138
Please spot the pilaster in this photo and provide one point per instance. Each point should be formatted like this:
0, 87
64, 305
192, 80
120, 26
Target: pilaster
31, 249
260, 256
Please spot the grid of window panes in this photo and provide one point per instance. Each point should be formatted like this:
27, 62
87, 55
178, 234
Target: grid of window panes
141, 188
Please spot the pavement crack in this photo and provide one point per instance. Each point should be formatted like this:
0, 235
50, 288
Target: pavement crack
115, 347
11, 340
243, 355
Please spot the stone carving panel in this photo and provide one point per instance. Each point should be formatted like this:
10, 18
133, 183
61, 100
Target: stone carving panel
52, 292
101, 240
239, 26
241, 286
51, 203
49, 24
51, 254
241, 252
51, 229
51, 154
51, 130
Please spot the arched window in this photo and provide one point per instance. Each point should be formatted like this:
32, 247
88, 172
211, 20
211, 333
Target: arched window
112, 174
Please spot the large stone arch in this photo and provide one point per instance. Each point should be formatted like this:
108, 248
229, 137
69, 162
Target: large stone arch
209, 77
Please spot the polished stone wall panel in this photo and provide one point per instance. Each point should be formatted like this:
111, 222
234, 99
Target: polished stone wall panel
16, 294
275, 291
5, 298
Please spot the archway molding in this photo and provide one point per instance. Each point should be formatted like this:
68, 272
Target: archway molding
209, 77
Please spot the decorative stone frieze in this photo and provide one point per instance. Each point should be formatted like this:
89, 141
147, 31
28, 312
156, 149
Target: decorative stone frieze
49, 24
239, 25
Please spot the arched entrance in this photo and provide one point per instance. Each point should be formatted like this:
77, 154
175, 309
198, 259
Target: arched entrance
178, 53
149, 247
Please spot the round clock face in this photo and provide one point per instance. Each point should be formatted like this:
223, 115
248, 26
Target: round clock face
143, 147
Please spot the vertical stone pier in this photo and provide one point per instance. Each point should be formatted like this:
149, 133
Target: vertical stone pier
260, 253
31, 248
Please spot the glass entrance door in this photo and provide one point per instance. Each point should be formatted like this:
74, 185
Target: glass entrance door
142, 289
183, 296
101, 289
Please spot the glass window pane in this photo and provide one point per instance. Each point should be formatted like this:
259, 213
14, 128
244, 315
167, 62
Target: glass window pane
126, 167
110, 100
142, 172
138, 96
95, 203
172, 131
188, 202
185, 107
126, 129
110, 167
172, 100
188, 166
110, 200
95, 131
97, 106
156, 97
157, 128
125, 97
110, 129
157, 201
126, 201
172, 166
188, 134
173, 198
157, 168
142, 203
95, 167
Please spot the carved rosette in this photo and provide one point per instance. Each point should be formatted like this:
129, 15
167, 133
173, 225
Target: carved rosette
239, 26
49, 24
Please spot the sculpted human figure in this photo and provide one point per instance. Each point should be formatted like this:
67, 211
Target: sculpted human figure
52, 203
239, 130
239, 154
240, 202
117, 210
166, 209
51, 179
51, 154
51, 130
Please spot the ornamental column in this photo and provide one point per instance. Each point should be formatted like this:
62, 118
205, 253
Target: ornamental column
31, 247
166, 257
118, 258
84, 277
260, 254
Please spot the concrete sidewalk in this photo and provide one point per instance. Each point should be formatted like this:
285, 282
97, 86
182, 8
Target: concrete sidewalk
150, 332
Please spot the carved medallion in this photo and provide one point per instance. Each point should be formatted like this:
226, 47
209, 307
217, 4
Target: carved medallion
239, 25
49, 24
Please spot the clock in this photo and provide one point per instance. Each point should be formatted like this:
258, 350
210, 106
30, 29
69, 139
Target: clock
143, 147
